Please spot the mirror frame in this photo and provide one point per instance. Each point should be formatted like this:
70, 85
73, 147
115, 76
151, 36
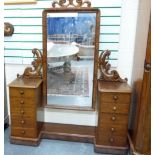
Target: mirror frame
96, 54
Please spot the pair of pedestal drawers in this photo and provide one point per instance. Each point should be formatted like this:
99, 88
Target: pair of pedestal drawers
114, 102
25, 98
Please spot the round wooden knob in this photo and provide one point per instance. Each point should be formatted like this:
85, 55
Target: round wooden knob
115, 97
113, 118
112, 129
22, 111
21, 102
22, 122
114, 108
22, 132
21, 92
111, 140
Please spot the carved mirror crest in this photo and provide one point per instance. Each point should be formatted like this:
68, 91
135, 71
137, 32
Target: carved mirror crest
70, 55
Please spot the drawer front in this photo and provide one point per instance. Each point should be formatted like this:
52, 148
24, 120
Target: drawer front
22, 111
24, 132
114, 108
111, 140
18, 121
115, 119
23, 102
120, 98
22, 92
111, 129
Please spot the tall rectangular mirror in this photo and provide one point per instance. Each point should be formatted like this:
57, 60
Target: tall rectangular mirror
70, 57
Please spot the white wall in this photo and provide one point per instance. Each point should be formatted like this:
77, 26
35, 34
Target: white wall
129, 43
133, 38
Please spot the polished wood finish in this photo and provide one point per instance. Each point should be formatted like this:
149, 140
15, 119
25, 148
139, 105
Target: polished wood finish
35, 72
113, 87
68, 132
111, 149
77, 133
97, 31
109, 137
77, 4
25, 140
104, 67
141, 132
25, 83
8, 29
15, 2
111, 133
111, 107
25, 98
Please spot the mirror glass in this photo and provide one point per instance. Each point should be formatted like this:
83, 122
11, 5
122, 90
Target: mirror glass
70, 45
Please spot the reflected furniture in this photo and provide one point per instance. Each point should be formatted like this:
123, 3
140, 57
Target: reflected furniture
61, 53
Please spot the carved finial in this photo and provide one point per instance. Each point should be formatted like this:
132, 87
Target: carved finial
35, 72
68, 3
104, 68
8, 29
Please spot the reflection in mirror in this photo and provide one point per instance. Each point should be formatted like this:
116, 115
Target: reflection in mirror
70, 59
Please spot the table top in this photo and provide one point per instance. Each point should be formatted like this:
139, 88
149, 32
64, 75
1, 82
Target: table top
61, 50
25, 83
121, 87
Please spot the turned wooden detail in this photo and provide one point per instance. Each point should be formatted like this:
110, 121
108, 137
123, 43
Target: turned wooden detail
72, 3
8, 29
34, 72
104, 67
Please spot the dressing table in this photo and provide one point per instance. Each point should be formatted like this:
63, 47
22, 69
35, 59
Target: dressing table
29, 93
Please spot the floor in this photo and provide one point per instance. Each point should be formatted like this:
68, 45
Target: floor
48, 147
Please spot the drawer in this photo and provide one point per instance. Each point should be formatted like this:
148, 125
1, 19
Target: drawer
110, 140
23, 102
120, 98
24, 132
22, 111
114, 108
114, 119
22, 92
18, 121
112, 129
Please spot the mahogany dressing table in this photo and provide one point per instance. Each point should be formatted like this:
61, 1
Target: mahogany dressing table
27, 94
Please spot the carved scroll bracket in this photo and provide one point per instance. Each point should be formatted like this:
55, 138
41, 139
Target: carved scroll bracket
104, 67
8, 29
70, 3
35, 71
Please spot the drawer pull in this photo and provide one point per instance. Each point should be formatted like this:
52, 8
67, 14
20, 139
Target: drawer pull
21, 102
115, 97
22, 112
114, 108
21, 92
22, 122
23, 132
112, 129
111, 140
113, 118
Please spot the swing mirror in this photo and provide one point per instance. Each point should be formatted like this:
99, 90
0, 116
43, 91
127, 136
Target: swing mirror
70, 57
